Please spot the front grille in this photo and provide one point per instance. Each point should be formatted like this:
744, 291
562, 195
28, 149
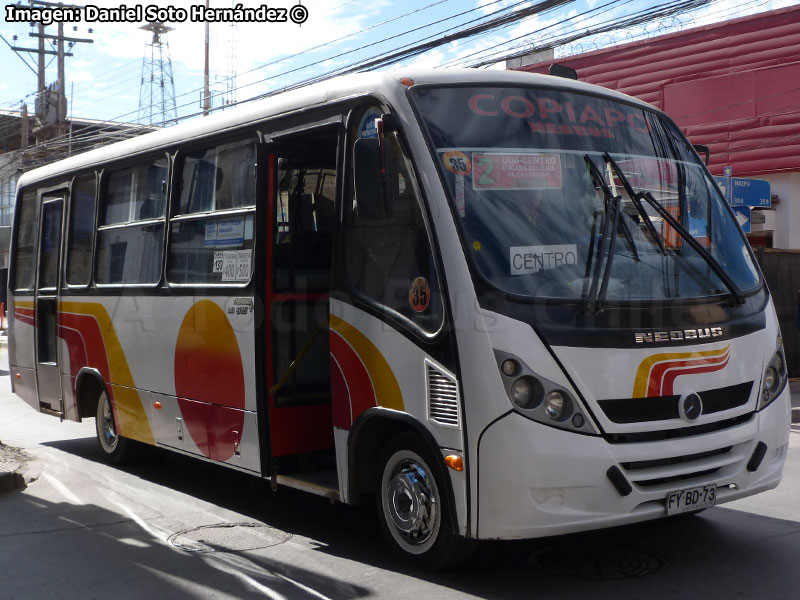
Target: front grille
664, 408
675, 478
442, 397
675, 460
671, 434
649, 474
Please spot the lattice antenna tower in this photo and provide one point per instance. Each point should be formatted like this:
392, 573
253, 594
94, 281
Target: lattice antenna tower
157, 92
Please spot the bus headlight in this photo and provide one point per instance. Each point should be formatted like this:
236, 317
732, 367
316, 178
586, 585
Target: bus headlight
775, 377
556, 405
509, 367
527, 392
540, 399
771, 379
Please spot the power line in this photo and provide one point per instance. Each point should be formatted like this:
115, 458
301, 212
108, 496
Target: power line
363, 65
336, 72
660, 11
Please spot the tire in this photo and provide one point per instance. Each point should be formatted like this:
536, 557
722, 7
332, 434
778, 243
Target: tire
114, 448
412, 505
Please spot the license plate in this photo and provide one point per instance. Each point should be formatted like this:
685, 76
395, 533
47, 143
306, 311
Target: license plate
691, 499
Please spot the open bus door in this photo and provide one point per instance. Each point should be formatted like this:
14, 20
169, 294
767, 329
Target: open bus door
301, 184
48, 375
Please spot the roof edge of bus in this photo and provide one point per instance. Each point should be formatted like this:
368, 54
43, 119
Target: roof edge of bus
308, 96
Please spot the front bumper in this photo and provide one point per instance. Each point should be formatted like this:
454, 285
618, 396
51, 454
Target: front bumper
536, 481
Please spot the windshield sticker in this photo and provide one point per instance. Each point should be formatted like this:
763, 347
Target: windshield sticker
367, 127
532, 259
477, 246
234, 265
226, 232
419, 295
495, 171
457, 163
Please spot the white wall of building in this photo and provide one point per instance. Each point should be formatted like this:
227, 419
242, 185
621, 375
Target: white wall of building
787, 230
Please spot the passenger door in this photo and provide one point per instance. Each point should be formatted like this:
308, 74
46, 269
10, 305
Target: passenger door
301, 190
48, 376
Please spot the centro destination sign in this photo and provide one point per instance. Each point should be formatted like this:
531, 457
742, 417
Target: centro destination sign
532, 259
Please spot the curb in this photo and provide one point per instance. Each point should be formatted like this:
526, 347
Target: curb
10, 482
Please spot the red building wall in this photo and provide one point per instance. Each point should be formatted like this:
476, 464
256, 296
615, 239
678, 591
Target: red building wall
734, 86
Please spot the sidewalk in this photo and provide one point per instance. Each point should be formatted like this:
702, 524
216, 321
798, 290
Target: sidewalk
10, 461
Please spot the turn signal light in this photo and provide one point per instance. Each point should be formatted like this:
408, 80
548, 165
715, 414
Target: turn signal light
455, 462
157, 405
19, 375
407, 81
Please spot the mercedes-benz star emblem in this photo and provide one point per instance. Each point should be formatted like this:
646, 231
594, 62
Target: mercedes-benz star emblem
690, 407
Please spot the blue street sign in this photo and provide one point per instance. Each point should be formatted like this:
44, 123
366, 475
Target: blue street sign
724, 183
742, 214
746, 192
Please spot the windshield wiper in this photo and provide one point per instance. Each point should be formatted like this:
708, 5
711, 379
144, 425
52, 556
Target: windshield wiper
608, 196
637, 202
594, 298
673, 222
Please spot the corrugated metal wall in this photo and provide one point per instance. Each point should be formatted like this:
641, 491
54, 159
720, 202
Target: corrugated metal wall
734, 86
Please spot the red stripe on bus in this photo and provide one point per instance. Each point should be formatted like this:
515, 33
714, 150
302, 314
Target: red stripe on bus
92, 346
361, 393
659, 386
669, 377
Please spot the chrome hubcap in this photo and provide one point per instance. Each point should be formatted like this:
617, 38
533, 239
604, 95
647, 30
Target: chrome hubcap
109, 430
412, 503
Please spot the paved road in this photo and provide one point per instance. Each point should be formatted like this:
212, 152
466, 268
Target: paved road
85, 530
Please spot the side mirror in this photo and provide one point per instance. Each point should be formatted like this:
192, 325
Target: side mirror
370, 181
702, 149
564, 71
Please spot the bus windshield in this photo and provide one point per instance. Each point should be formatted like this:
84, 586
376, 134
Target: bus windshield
573, 196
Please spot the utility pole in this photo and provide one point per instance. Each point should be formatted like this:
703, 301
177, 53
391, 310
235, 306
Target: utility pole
40, 73
23, 135
42, 101
206, 91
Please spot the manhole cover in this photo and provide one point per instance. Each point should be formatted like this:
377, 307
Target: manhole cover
590, 562
228, 537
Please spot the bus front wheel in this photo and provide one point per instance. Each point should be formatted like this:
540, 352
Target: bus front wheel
113, 446
414, 514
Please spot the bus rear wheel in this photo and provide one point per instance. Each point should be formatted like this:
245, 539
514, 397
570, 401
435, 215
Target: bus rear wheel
114, 447
414, 514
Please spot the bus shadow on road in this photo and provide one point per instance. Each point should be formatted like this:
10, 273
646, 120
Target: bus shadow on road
88, 551
720, 553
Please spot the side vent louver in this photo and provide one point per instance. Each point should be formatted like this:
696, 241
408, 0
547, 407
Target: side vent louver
443, 405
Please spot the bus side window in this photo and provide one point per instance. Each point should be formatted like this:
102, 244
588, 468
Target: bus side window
208, 248
25, 241
131, 226
390, 260
81, 230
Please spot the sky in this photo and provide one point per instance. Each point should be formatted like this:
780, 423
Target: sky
103, 79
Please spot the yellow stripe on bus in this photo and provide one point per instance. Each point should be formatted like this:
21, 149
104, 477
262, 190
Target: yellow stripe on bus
387, 390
